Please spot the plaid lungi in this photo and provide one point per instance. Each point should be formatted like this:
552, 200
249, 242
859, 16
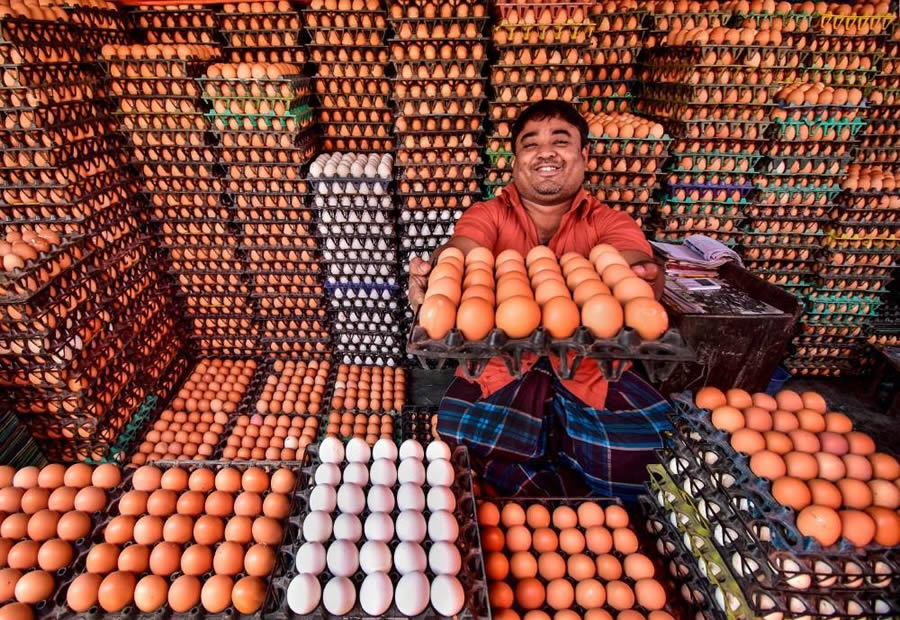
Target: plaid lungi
534, 437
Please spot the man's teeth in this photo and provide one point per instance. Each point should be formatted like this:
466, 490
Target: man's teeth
547, 168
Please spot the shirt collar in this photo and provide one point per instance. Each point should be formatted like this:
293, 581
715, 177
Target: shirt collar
580, 204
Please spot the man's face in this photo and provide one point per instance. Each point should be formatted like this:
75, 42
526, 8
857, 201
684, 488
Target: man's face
550, 161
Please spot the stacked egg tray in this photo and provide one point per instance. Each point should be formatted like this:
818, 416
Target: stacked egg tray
665, 18
253, 35
624, 173
438, 154
175, 24
112, 518
659, 357
812, 171
463, 508
419, 423
775, 565
345, 423
356, 228
351, 82
534, 61
611, 58
848, 48
262, 153
879, 142
717, 121
61, 160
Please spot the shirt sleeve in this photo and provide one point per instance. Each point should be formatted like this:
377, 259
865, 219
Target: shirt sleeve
480, 223
619, 230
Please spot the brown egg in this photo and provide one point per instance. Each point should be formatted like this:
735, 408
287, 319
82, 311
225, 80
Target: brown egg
34, 587
151, 593
106, 476
82, 592
216, 593
248, 594
73, 525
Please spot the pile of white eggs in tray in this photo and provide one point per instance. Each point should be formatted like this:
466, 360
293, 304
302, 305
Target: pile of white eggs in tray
370, 523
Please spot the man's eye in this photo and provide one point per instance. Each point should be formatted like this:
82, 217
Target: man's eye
528, 145
561, 142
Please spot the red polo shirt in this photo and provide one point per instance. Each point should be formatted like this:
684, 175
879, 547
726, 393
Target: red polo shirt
502, 224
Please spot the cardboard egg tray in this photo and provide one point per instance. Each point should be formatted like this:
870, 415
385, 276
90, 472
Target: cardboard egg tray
439, 69
264, 36
347, 54
419, 423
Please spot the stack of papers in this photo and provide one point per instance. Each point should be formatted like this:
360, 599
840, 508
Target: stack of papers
698, 257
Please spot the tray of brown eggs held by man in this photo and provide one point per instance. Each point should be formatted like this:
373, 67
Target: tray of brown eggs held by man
184, 539
579, 308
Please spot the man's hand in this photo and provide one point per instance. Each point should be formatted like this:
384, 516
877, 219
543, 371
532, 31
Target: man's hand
648, 271
418, 278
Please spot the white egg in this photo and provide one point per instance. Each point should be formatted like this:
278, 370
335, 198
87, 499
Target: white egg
323, 497
410, 526
380, 499
375, 557
356, 473
409, 557
328, 473
304, 593
441, 498
411, 449
385, 449
412, 594
342, 558
291, 443
376, 593
330, 169
331, 450
437, 450
347, 527
339, 596
383, 471
447, 595
410, 497
379, 527
350, 498
442, 526
310, 558
411, 470
317, 527
358, 451
315, 170
440, 473
444, 559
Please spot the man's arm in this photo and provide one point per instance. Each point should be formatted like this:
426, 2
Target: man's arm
644, 266
419, 269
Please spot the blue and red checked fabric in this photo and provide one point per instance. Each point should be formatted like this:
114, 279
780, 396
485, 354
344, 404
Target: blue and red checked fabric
533, 437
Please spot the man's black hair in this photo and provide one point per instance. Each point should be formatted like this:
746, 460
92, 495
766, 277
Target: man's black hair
550, 108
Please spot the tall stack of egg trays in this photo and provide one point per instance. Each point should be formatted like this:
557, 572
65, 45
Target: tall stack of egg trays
539, 47
161, 112
439, 51
880, 148
611, 71
262, 32
262, 121
861, 251
356, 221
785, 218
73, 337
702, 84
738, 552
845, 286
351, 82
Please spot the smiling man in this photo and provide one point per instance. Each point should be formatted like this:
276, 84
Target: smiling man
540, 434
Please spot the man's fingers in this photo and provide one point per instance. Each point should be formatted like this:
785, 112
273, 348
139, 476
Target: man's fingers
647, 271
419, 267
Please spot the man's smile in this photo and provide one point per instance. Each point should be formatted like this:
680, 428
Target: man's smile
548, 169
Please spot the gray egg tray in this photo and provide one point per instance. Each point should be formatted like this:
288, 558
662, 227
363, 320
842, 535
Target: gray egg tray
471, 574
359, 201
362, 270
385, 256
350, 187
364, 244
354, 215
429, 215
356, 229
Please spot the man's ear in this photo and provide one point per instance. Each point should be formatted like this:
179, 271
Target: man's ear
584, 152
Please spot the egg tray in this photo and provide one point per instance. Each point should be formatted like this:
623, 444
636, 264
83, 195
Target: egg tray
361, 209
551, 503
696, 591
761, 594
471, 575
658, 356
749, 501
859, 272
683, 521
441, 70
415, 423
27, 32
60, 608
